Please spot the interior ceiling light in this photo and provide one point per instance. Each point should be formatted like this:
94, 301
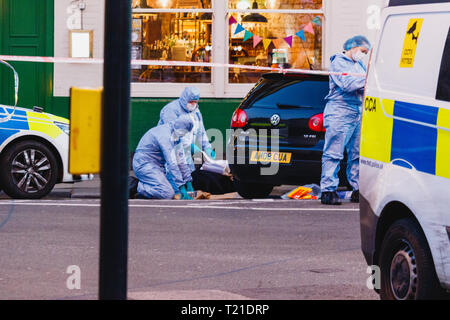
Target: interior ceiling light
255, 17
243, 4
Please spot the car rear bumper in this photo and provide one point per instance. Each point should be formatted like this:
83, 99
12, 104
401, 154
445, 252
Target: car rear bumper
297, 172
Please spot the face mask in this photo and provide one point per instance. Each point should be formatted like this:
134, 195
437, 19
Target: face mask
191, 107
359, 56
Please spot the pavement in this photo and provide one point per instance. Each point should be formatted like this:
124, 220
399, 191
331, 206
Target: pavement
91, 190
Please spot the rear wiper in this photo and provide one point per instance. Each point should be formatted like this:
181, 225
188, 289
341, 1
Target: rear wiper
290, 106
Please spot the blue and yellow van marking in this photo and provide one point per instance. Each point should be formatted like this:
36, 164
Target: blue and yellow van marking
409, 132
412, 142
376, 129
443, 144
27, 120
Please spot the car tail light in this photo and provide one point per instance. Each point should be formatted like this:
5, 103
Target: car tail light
316, 123
239, 119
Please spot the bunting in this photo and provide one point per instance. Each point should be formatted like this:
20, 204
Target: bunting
309, 28
256, 40
276, 42
239, 29
301, 35
266, 43
232, 20
247, 35
317, 21
289, 41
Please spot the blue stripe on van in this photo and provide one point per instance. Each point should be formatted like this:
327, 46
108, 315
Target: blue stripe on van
415, 143
416, 112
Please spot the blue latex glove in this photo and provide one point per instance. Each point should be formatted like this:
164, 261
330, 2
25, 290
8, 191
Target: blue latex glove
184, 194
195, 149
211, 153
189, 187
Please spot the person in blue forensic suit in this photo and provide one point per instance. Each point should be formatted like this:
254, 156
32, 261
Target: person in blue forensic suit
160, 153
196, 140
342, 119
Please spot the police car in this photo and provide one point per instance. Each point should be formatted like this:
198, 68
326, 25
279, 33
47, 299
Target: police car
34, 150
405, 152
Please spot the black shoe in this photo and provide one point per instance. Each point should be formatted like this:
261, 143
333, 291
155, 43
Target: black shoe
331, 198
132, 187
355, 196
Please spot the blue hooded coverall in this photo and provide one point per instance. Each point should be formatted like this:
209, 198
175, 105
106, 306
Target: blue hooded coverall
157, 155
177, 108
342, 117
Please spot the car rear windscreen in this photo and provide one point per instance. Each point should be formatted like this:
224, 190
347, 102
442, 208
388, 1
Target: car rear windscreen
295, 94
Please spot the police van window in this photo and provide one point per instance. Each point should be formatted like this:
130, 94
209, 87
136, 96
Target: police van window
443, 89
409, 48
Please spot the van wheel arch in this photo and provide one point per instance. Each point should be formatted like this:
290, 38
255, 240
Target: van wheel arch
391, 213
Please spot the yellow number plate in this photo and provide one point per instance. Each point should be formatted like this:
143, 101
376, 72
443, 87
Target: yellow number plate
264, 156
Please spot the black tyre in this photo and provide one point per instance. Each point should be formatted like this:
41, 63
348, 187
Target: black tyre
28, 170
252, 190
407, 268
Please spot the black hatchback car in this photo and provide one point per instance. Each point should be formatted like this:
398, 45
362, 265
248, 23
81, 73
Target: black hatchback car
293, 104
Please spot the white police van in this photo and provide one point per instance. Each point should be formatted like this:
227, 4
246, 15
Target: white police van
405, 152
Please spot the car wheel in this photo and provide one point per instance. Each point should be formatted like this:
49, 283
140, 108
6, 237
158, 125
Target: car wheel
407, 268
252, 190
28, 170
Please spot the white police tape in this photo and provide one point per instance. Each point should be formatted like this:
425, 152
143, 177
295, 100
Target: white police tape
174, 64
16, 80
16, 91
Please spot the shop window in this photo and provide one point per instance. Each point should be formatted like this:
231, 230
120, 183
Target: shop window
182, 30
274, 33
276, 4
176, 34
171, 4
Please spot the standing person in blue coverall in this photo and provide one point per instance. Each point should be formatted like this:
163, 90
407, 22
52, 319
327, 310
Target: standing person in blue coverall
342, 119
160, 153
196, 141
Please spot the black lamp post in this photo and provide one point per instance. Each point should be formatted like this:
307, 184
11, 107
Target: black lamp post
115, 153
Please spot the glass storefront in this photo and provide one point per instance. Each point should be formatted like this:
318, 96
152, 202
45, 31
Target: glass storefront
276, 4
277, 43
171, 4
276, 52
178, 36
182, 30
